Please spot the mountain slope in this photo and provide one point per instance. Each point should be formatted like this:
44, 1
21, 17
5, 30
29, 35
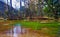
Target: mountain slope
4, 7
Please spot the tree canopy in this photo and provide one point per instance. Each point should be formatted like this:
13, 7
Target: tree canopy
53, 6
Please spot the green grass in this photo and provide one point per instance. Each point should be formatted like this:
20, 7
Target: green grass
37, 25
53, 26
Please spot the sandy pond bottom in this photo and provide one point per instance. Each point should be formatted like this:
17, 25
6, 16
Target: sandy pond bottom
22, 32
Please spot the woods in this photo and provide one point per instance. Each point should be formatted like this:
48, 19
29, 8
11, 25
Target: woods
33, 8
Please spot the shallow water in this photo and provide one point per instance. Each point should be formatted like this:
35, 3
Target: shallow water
18, 31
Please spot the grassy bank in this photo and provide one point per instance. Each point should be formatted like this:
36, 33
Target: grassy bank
37, 25
52, 27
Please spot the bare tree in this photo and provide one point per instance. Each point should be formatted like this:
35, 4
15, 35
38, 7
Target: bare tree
40, 6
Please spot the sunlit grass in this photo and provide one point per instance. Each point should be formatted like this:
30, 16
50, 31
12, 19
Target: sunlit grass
36, 25
33, 24
52, 27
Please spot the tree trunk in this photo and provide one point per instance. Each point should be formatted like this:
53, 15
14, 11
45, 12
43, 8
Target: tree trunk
55, 15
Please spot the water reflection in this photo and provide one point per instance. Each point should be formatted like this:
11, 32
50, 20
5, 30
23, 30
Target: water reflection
17, 29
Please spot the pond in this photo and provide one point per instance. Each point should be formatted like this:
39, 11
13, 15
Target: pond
17, 29
14, 31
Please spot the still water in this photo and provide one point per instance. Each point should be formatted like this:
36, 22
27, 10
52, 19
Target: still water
18, 31
13, 32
